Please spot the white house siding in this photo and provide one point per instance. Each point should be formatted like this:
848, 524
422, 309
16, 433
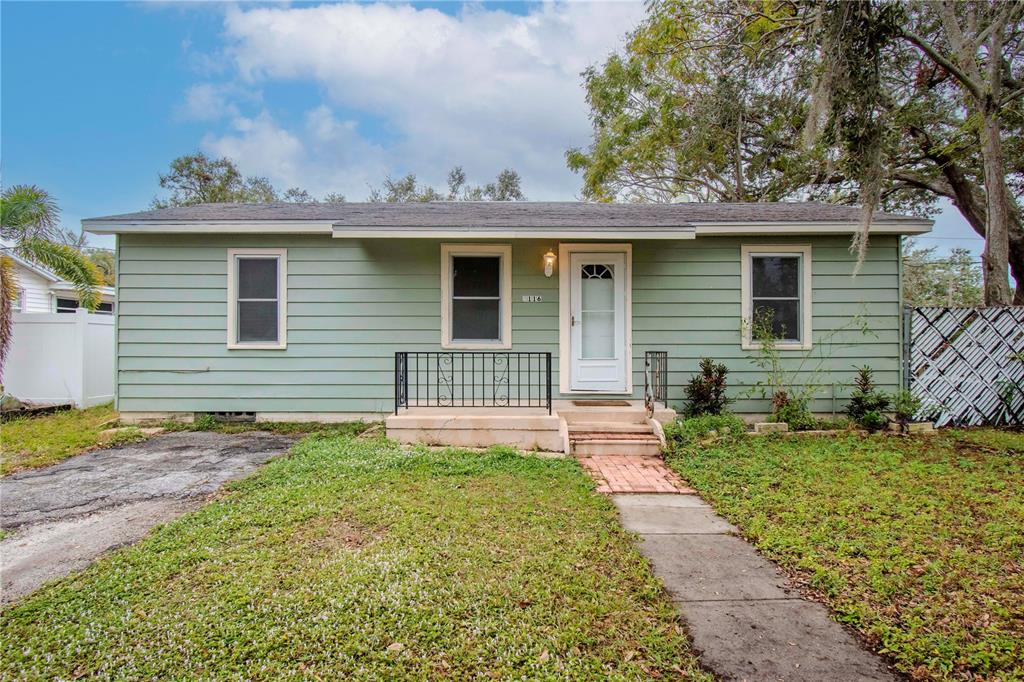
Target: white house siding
36, 288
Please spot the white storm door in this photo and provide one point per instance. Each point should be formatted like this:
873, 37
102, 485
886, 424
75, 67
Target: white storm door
597, 319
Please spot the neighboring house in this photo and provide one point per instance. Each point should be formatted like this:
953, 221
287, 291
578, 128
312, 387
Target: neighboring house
59, 353
453, 314
41, 291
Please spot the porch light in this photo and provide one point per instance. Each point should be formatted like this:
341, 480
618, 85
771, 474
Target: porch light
549, 263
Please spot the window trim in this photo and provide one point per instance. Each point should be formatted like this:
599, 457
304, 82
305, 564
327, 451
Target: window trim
282, 299
802, 251
504, 252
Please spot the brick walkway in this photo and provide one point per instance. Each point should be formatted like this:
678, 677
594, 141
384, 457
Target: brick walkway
633, 474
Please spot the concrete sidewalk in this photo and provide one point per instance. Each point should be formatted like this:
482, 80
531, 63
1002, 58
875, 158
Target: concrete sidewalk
745, 621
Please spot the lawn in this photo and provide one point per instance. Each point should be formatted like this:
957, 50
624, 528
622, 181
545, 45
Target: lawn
31, 442
917, 542
354, 558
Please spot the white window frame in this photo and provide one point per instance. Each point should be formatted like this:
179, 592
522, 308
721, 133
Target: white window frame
282, 298
504, 252
803, 252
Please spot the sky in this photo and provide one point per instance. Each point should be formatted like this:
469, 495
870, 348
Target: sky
97, 98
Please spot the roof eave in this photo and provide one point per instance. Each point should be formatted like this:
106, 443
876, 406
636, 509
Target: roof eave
370, 232
207, 227
811, 228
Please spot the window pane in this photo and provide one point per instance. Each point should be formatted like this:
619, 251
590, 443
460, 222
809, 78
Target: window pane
476, 275
476, 320
598, 293
776, 276
107, 308
66, 305
598, 335
784, 315
257, 321
257, 278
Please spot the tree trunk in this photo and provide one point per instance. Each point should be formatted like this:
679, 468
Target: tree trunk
997, 215
970, 200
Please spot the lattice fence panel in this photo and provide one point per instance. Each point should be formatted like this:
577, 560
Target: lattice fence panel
967, 364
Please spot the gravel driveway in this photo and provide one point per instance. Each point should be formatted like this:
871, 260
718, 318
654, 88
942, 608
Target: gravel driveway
64, 516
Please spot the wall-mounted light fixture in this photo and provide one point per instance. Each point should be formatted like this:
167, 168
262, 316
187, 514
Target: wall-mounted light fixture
549, 263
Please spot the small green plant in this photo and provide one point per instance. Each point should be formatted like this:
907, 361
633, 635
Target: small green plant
204, 422
795, 414
127, 436
905, 405
685, 432
868, 404
705, 394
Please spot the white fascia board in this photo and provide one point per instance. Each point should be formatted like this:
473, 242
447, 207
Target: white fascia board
810, 228
209, 227
29, 265
502, 233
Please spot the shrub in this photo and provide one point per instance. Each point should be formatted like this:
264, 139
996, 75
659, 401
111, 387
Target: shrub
684, 432
906, 406
867, 403
793, 412
705, 394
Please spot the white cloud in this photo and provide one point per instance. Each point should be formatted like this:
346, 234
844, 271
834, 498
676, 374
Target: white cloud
207, 102
485, 88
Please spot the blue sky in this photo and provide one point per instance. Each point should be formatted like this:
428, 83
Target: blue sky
97, 98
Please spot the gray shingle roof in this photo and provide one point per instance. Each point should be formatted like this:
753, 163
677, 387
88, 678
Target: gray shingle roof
525, 214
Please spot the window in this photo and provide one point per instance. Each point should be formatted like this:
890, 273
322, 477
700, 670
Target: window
476, 285
257, 309
105, 309
777, 290
67, 305
20, 303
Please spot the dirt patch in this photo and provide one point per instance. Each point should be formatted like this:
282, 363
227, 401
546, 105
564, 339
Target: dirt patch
331, 533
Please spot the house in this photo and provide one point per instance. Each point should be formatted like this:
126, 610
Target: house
471, 323
59, 353
41, 291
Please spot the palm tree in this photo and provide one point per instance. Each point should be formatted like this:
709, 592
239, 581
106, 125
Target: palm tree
28, 228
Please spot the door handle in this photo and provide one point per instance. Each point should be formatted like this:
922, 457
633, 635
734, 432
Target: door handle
572, 320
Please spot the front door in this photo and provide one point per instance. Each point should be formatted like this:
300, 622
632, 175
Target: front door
597, 319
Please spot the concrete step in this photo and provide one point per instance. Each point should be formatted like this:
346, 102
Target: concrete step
613, 435
609, 427
616, 446
604, 415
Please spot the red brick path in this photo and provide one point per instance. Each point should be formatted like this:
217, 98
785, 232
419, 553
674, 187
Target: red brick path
633, 474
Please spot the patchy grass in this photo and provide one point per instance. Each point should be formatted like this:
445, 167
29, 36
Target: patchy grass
31, 442
917, 542
352, 558
208, 423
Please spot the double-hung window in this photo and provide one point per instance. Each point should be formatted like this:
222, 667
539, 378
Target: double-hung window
476, 286
776, 283
257, 298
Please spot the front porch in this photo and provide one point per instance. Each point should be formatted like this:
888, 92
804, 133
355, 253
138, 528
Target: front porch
625, 427
485, 398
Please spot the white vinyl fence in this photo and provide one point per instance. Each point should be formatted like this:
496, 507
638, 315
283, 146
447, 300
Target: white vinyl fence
967, 364
61, 358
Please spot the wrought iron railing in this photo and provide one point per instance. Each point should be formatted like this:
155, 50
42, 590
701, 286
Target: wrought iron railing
472, 379
655, 379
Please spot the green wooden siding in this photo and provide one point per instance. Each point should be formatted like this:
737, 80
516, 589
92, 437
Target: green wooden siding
353, 303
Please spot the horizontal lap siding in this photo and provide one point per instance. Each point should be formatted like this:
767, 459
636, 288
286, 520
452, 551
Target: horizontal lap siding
686, 300
353, 303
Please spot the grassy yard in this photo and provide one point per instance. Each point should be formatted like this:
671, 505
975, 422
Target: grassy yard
352, 558
31, 442
916, 542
